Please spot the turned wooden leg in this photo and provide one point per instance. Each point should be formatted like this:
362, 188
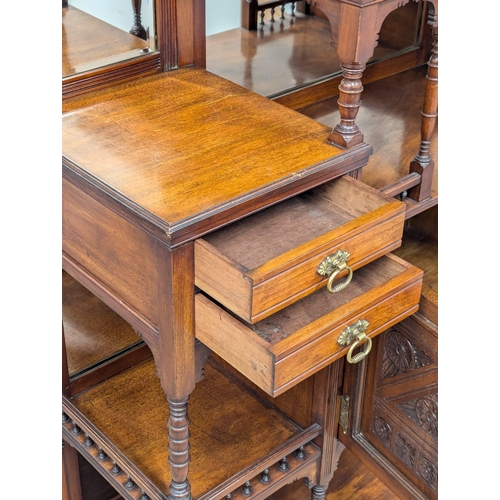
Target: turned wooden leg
177, 361
319, 493
347, 134
423, 164
178, 447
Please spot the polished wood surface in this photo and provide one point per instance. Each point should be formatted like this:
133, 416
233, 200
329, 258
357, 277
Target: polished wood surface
422, 251
262, 264
391, 121
351, 481
88, 42
158, 157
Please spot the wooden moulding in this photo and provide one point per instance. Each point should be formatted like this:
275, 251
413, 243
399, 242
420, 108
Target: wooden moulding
266, 262
234, 437
280, 351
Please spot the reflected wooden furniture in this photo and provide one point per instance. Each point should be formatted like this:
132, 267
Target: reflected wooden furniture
392, 424
88, 41
90, 46
355, 27
139, 170
253, 11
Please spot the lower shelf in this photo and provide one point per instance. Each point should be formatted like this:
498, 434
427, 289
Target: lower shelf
120, 427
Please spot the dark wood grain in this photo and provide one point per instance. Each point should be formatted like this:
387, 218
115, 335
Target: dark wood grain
71, 485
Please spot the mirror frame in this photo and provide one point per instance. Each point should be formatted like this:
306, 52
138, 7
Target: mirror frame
180, 40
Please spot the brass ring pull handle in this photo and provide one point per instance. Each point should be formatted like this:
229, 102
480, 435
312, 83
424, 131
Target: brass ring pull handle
354, 335
361, 355
332, 266
339, 286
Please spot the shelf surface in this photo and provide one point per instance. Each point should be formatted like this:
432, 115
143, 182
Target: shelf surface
230, 429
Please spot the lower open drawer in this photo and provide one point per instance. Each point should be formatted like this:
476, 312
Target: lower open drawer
280, 351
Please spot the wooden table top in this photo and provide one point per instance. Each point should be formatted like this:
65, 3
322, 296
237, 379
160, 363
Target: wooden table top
190, 151
88, 42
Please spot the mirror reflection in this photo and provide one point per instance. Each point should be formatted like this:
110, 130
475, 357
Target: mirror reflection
273, 48
96, 33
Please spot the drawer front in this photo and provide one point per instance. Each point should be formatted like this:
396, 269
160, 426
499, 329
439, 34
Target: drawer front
280, 351
270, 260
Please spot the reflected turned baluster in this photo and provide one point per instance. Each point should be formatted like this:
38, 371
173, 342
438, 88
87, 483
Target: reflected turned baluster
137, 29
423, 164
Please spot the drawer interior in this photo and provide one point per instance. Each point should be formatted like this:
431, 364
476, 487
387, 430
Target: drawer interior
258, 239
272, 259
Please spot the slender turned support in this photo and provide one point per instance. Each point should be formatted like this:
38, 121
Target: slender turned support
177, 361
347, 134
423, 164
178, 447
319, 493
137, 29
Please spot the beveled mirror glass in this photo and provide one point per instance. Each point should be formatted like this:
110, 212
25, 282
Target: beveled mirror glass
97, 33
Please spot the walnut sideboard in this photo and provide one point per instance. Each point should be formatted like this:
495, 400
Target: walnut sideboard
212, 219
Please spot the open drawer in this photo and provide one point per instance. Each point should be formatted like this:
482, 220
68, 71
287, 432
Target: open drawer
280, 351
273, 258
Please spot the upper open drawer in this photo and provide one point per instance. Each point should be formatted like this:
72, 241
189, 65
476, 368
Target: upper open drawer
273, 258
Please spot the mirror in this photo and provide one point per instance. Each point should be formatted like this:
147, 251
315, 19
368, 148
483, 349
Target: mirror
275, 48
97, 33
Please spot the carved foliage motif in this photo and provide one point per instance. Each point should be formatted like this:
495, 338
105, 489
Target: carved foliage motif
424, 412
428, 471
401, 355
405, 450
382, 429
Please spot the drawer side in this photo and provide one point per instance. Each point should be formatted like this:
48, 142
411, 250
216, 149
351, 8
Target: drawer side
233, 342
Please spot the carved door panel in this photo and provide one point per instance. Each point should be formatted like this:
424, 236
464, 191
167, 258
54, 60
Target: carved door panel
392, 422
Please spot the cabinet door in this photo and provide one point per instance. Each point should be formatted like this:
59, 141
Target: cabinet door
391, 408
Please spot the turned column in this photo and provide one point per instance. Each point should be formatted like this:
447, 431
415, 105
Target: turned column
355, 26
423, 164
346, 133
177, 361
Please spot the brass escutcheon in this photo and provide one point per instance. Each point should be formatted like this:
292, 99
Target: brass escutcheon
355, 334
332, 266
